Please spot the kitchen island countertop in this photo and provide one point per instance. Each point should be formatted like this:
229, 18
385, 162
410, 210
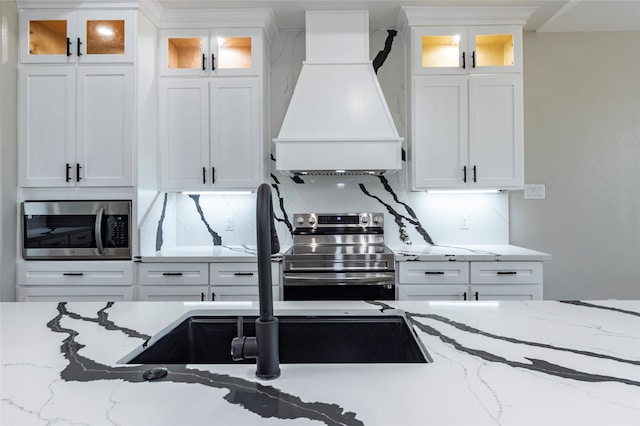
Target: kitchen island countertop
418, 252
494, 363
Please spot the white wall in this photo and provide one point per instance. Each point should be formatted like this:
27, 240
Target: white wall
8, 147
582, 140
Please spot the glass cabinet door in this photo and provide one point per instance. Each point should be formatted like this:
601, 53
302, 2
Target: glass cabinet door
233, 54
184, 52
496, 49
69, 37
440, 50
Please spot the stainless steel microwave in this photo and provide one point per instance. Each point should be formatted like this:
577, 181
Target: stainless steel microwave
76, 230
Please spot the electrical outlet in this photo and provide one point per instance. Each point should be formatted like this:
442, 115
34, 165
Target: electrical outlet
228, 223
534, 192
463, 221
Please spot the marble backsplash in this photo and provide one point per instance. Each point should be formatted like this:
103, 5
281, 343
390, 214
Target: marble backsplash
177, 219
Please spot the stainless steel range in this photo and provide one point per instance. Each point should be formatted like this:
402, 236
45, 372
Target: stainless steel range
338, 256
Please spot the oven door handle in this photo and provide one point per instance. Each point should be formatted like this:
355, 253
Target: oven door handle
97, 229
301, 280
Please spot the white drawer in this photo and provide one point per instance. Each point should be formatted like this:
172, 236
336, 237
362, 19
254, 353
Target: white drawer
173, 273
433, 292
240, 273
242, 293
75, 293
506, 272
433, 272
89, 273
182, 293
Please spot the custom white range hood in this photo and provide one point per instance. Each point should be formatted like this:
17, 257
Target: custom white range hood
338, 121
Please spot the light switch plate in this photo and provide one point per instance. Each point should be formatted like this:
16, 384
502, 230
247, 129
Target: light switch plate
534, 192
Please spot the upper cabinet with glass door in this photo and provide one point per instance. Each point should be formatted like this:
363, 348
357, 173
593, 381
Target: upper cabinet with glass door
52, 36
210, 52
467, 50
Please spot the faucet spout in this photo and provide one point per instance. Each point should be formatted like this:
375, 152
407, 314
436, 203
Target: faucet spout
265, 346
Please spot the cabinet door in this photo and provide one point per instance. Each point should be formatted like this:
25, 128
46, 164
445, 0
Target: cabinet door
440, 136
433, 292
495, 49
105, 36
180, 293
75, 294
48, 36
105, 120
184, 53
496, 131
236, 139
236, 52
47, 126
506, 292
184, 135
440, 50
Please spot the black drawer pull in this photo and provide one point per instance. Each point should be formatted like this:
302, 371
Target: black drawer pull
172, 274
477, 296
507, 272
243, 274
73, 274
464, 296
434, 273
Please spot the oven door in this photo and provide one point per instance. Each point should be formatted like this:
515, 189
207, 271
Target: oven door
339, 286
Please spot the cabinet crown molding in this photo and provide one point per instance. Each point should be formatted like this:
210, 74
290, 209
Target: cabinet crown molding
410, 16
76, 4
220, 18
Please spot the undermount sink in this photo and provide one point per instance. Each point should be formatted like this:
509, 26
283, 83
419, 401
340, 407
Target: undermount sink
384, 337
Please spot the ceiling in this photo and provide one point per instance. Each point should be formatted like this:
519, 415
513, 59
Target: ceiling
550, 15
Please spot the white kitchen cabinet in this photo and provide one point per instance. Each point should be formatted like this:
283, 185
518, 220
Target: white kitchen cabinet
239, 281
479, 280
76, 126
211, 134
185, 281
211, 52
467, 132
75, 280
66, 36
75, 294
467, 49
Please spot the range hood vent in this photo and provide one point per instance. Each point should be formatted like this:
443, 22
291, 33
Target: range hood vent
338, 121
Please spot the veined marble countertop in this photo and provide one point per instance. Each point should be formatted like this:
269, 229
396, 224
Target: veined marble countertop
467, 252
461, 252
494, 363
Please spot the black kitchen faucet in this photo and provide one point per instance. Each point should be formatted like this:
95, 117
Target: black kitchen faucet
265, 345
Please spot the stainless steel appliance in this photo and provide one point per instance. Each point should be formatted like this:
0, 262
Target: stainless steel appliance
338, 256
76, 230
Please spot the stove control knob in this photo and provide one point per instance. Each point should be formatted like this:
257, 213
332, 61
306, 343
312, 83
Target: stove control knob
377, 219
364, 220
300, 220
312, 220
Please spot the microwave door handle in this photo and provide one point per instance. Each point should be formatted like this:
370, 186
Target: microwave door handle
98, 230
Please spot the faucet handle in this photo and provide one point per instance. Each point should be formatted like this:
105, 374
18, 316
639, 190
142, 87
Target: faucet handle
244, 348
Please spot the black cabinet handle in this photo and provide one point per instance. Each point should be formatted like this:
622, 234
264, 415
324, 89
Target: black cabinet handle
78, 167
507, 272
204, 175
78, 48
475, 176
202, 297
172, 274
473, 59
464, 174
213, 296
68, 177
434, 272
73, 274
213, 175
213, 62
240, 274
477, 295
204, 62
68, 46
464, 296
464, 60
